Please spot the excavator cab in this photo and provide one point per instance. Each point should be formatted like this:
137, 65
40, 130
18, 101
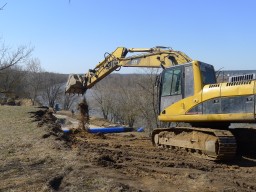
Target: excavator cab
183, 81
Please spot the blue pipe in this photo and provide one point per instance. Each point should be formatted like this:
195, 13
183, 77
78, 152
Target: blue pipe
109, 130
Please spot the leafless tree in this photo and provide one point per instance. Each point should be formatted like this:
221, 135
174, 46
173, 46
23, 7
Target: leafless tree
11, 74
69, 101
149, 102
103, 97
52, 88
116, 97
12, 81
9, 58
129, 99
128, 105
34, 79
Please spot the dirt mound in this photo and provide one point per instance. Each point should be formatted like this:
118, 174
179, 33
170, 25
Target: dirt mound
45, 118
73, 138
43, 113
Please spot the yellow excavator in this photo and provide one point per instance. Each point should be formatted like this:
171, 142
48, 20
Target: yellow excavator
188, 92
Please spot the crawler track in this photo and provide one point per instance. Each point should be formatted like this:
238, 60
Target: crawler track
204, 142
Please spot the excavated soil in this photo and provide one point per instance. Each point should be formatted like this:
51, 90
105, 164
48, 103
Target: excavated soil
119, 162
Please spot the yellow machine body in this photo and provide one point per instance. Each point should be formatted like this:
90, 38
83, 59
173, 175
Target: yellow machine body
218, 102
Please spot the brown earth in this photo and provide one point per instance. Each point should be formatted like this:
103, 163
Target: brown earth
42, 158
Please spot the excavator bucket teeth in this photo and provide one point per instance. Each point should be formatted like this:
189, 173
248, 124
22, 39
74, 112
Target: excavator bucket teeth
75, 85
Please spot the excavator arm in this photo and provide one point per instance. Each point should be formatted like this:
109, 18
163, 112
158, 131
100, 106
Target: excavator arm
150, 58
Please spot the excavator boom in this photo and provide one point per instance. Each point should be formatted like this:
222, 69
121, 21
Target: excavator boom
150, 58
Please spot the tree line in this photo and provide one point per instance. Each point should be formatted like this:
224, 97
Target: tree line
129, 99
22, 76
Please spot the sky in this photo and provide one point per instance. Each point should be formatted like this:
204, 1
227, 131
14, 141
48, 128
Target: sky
72, 36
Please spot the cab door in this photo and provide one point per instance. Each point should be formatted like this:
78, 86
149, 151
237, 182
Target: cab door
171, 86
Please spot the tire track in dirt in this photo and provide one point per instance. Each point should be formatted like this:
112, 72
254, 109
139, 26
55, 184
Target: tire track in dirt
142, 160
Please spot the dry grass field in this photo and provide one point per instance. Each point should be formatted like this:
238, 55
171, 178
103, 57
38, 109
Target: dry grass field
27, 162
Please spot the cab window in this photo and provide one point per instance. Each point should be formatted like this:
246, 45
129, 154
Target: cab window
171, 82
208, 74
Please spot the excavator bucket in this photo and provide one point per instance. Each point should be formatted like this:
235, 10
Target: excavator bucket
76, 84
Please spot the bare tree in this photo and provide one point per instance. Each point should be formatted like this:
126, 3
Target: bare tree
116, 98
129, 99
103, 96
128, 105
12, 81
10, 74
52, 88
149, 102
9, 58
68, 101
34, 79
